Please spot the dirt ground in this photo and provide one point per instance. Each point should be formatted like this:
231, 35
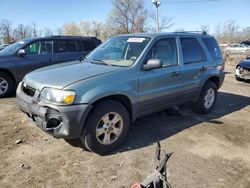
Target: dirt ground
209, 150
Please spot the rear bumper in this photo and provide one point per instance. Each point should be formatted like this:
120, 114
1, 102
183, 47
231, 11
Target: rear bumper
222, 77
60, 121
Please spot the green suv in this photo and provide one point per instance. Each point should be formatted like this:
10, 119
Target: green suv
127, 77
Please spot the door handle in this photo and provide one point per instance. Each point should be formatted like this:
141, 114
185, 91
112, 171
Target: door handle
173, 74
51, 59
203, 69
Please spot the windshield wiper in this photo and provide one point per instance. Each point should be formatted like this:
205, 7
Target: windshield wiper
86, 59
98, 61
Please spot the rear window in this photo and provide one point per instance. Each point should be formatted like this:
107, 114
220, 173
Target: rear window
213, 47
88, 45
66, 46
192, 51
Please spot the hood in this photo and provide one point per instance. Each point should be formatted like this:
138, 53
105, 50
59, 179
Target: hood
5, 57
245, 63
62, 75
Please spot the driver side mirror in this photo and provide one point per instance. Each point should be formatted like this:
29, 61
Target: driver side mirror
21, 52
152, 64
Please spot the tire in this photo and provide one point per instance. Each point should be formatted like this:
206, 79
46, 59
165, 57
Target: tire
112, 120
6, 85
238, 78
207, 98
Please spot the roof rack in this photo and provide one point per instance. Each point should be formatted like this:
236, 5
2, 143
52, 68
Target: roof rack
201, 32
72, 36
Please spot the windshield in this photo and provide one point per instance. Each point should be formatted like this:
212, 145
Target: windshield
12, 48
119, 51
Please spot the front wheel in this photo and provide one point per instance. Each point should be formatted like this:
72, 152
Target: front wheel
207, 98
108, 125
238, 78
6, 85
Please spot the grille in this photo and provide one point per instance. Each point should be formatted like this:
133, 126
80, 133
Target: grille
28, 90
246, 72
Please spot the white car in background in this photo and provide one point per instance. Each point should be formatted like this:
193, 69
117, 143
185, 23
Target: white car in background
237, 48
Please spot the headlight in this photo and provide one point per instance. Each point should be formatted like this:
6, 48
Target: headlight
57, 96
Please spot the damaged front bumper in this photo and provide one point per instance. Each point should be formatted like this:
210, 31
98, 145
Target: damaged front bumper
60, 121
242, 73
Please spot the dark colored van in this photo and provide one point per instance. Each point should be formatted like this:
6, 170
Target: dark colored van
27, 55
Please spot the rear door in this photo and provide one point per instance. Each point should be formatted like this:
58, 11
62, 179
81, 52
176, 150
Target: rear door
159, 88
194, 65
38, 54
66, 50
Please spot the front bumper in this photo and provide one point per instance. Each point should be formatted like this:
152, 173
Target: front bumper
242, 73
60, 121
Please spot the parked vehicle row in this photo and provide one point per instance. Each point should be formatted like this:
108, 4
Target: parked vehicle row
237, 48
25, 56
125, 78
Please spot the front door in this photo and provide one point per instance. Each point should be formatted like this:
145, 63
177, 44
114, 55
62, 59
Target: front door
160, 88
38, 54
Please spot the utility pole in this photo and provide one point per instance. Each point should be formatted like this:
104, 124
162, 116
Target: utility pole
157, 3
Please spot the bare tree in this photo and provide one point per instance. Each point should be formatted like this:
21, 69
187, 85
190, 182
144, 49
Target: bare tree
165, 23
85, 27
34, 30
71, 29
22, 31
5, 31
228, 32
128, 16
47, 31
96, 28
246, 33
59, 31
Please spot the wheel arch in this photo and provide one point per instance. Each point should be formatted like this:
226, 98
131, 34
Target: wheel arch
123, 99
8, 73
215, 80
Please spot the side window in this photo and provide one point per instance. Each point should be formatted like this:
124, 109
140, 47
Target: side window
66, 46
213, 47
33, 48
39, 48
192, 51
80, 46
166, 51
71, 46
88, 45
46, 47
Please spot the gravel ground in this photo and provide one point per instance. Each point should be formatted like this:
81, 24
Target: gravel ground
209, 150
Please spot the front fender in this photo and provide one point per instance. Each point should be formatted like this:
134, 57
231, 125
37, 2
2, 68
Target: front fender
103, 91
7, 65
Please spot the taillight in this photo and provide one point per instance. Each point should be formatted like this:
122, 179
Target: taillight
221, 67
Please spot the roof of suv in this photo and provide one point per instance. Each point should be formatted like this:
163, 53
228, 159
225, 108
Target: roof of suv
153, 35
62, 37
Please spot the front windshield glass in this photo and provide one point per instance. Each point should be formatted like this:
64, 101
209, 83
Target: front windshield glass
119, 51
12, 48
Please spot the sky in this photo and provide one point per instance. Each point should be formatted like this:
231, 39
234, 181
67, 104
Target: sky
189, 16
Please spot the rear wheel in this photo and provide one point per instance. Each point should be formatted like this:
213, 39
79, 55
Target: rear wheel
6, 85
108, 125
207, 98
